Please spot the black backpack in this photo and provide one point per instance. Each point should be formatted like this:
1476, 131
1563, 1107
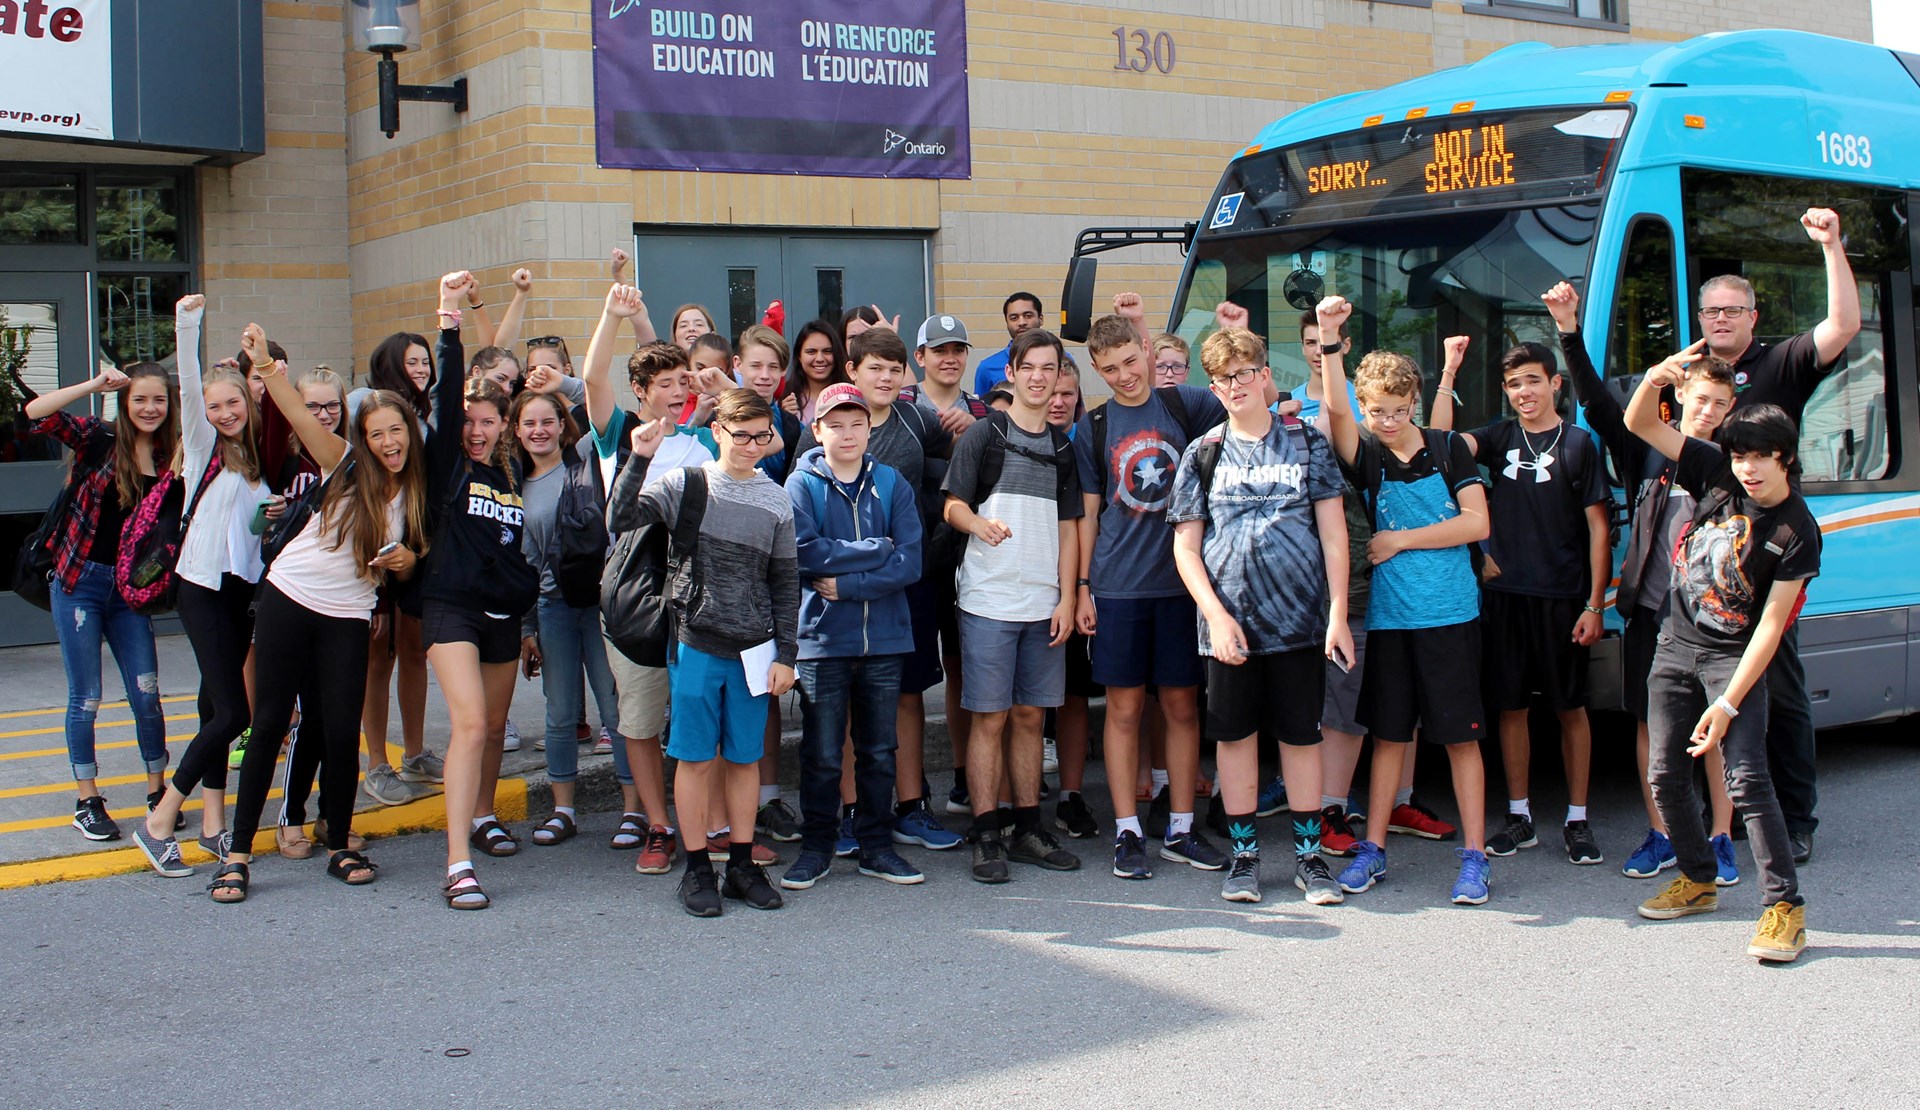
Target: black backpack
636, 606
1206, 455
1170, 396
579, 553
279, 533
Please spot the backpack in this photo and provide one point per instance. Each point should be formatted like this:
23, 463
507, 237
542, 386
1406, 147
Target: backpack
279, 533
579, 554
1170, 396
882, 485
150, 546
948, 544
636, 607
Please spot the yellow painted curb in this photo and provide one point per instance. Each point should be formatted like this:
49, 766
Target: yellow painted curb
424, 815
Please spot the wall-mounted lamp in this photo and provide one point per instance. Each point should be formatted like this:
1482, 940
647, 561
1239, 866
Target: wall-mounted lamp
389, 27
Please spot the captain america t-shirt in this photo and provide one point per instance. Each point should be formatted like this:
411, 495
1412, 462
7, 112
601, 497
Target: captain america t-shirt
1536, 509
1133, 555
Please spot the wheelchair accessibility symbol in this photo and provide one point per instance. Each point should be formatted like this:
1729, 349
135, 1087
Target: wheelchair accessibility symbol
1227, 211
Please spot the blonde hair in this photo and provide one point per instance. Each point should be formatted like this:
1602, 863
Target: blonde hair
760, 335
242, 452
1230, 345
1167, 341
1386, 374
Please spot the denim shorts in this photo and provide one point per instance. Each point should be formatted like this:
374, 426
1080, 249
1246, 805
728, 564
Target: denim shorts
1008, 663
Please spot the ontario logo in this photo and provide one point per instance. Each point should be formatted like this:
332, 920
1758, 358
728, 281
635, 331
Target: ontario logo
896, 141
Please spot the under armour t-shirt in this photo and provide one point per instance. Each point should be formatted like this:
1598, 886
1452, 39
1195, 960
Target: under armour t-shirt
1542, 485
1133, 556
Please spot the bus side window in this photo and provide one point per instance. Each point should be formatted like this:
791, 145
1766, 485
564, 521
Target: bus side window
1644, 310
1748, 224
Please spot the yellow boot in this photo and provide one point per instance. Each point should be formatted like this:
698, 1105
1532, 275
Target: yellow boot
1781, 935
1682, 897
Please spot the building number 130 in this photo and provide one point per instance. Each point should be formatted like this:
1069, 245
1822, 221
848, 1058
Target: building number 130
1837, 149
1149, 51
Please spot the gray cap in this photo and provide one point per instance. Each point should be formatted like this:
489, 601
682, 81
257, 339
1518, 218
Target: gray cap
937, 330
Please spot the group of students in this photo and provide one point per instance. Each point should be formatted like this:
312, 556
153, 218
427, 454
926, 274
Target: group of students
1222, 560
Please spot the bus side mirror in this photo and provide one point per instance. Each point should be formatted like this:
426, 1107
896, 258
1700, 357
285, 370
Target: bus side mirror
1076, 298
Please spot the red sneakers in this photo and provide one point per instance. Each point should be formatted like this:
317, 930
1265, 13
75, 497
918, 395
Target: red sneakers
1336, 839
1414, 819
656, 855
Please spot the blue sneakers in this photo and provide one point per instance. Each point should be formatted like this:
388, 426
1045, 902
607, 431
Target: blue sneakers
1728, 867
809, 869
919, 826
846, 846
1654, 855
890, 865
1470, 889
1368, 867
1273, 798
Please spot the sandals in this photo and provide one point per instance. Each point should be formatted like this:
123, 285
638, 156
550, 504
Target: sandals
493, 839
355, 842
293, 842
229, 885
345, 865
631, 833
555, 830
463, 891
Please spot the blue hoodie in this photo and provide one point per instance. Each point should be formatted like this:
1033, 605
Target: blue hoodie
872, 554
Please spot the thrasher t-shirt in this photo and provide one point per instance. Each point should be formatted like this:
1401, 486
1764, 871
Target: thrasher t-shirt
1542, 485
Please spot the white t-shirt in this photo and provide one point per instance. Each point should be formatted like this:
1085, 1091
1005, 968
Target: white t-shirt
317, 576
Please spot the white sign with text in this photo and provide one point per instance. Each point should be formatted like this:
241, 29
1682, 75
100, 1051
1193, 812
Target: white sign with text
56, 67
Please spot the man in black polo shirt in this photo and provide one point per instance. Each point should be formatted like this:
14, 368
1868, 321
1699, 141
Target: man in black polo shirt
1786, 374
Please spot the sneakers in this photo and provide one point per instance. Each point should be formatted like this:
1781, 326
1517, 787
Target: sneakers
1130, 857
164, 855
239, 752
957, 799
1193, 850
778, 820
810, 868
1582, 848
1517, 834
656, 853
1781, 935
1073, 817
1039, 848
1802, 845
700, 892
1654, 855
1154, 824
892, 866
1369, 866
846, 845
1273, 798
1311, 875
512, 744
1413, 819
603, 745
1336, 836
919, 826
1049, 758
719, 850
386, 787
1682, 898
1242, 883
749, 884
1727, 868
153, 802
90, 817
425, 767
989, 857
1470, 889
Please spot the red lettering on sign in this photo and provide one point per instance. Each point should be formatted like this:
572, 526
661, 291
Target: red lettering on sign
31, 19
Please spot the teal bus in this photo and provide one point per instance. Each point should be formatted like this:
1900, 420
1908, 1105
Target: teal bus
1448, 204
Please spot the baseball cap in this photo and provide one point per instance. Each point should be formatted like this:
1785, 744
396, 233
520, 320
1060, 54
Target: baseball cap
837, 394
935, 330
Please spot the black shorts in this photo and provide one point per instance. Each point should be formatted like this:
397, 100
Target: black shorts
498, 638
920, 670
1275, 695
946, 610
1425, 679
1080, 683
1528, 649
1636, 651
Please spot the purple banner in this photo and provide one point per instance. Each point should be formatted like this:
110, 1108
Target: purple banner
783, 86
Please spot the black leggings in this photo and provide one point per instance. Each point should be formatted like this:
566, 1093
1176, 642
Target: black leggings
298, 648
219, 625
303, 755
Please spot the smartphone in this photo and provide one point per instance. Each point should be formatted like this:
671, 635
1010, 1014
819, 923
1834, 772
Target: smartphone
1340, 661
387, 550
259, 524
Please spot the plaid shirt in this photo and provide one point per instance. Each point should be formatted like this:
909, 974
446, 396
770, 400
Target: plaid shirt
92, 468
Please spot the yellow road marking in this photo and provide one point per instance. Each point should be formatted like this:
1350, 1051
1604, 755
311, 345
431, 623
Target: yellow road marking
17, 713
61, 730
40, 753
67, 787
424, 815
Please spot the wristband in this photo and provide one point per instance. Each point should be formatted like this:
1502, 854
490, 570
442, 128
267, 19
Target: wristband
451, 312
1088, 582
263, 367
1332, 348
476, 304
1723, 705
1594, 609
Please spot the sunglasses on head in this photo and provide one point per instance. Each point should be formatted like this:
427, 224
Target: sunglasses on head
546, 341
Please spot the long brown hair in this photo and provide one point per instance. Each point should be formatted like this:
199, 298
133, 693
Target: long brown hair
357, 503
166, 438
569, 432
482, 391
241, 453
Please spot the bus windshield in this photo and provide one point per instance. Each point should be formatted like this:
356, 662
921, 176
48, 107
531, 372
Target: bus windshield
1412, 281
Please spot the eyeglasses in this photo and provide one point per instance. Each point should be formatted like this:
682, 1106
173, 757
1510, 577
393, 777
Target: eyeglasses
1375, 416
1234, 377
741, 439
546, 341
331, 408
1731, 312
1170, 367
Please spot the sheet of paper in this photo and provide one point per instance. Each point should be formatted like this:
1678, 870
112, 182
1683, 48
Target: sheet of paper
757, 660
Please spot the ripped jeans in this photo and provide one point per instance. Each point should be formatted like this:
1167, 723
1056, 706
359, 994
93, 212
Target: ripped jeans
95, 613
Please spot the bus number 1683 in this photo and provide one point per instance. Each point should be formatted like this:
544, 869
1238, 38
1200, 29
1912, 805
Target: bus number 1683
1837, 149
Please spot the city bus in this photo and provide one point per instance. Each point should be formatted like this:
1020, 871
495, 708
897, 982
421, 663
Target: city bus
1447, 204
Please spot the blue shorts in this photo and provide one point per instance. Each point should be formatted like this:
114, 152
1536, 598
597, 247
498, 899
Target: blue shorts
1008, 663
712, 710
1147, 640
